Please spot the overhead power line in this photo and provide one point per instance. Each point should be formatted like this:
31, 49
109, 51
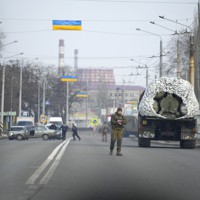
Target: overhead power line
139, 2
88, 20
89, 31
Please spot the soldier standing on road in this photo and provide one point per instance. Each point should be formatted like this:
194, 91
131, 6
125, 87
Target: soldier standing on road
105, 130
117, 122
75, 132
64, 129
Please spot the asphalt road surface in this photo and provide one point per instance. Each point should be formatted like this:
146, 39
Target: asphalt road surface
73, 170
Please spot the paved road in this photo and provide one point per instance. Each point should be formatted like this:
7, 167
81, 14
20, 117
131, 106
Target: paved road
73, 170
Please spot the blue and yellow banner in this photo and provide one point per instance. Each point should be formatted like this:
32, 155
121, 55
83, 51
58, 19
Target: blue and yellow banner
68, 78
67, 25
82, 95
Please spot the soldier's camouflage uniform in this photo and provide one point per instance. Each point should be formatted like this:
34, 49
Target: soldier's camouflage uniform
117, 131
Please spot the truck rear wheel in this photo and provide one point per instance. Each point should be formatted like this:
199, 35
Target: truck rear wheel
143, 142
188, 144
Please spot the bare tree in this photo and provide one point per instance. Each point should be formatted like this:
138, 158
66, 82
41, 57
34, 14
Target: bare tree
30, 74
184, 48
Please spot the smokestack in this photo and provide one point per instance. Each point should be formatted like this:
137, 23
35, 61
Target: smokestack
61, 62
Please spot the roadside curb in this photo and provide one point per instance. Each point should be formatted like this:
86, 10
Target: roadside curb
3, 136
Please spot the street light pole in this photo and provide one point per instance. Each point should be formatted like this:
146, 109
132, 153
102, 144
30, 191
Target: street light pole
11, 100
3, 80
86, 105
161, 62
38, 102
67, 102
44, 94
20, 90
2, 93
6, 44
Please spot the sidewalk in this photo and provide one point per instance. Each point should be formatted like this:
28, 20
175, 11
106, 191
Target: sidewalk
3, 136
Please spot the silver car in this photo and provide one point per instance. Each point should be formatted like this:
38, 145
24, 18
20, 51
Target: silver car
19, 132
44, 132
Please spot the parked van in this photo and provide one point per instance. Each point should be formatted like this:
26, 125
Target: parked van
57, 120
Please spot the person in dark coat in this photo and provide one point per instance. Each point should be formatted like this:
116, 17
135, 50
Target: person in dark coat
64, 129
53, 126
75, 132
117, 122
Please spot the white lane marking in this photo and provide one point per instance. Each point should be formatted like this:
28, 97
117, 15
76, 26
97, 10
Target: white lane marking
53, 167
37, 173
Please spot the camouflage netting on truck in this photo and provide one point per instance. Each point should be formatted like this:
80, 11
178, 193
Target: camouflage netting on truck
170, 98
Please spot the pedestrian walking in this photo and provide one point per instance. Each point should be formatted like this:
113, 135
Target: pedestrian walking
117, 122
105, 130
64, 129
75, 132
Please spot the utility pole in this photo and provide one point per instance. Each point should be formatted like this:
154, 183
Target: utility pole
38, 102
198, 51
20, 90
178, 60
2, 91
147, 75
67, 103
44, 91
192, 60
3, 84
161, 59
86, 123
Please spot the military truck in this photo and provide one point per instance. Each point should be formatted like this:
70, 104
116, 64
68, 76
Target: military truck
167, 111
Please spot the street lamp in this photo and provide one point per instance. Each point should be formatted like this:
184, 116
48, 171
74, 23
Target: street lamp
3, 45
161, 64
3, 84
154, 23
176, 22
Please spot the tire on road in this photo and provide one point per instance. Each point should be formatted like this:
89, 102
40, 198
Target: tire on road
45, 137
19, 137
188, 144
143, 142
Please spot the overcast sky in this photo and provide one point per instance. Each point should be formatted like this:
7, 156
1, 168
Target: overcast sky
108, 39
